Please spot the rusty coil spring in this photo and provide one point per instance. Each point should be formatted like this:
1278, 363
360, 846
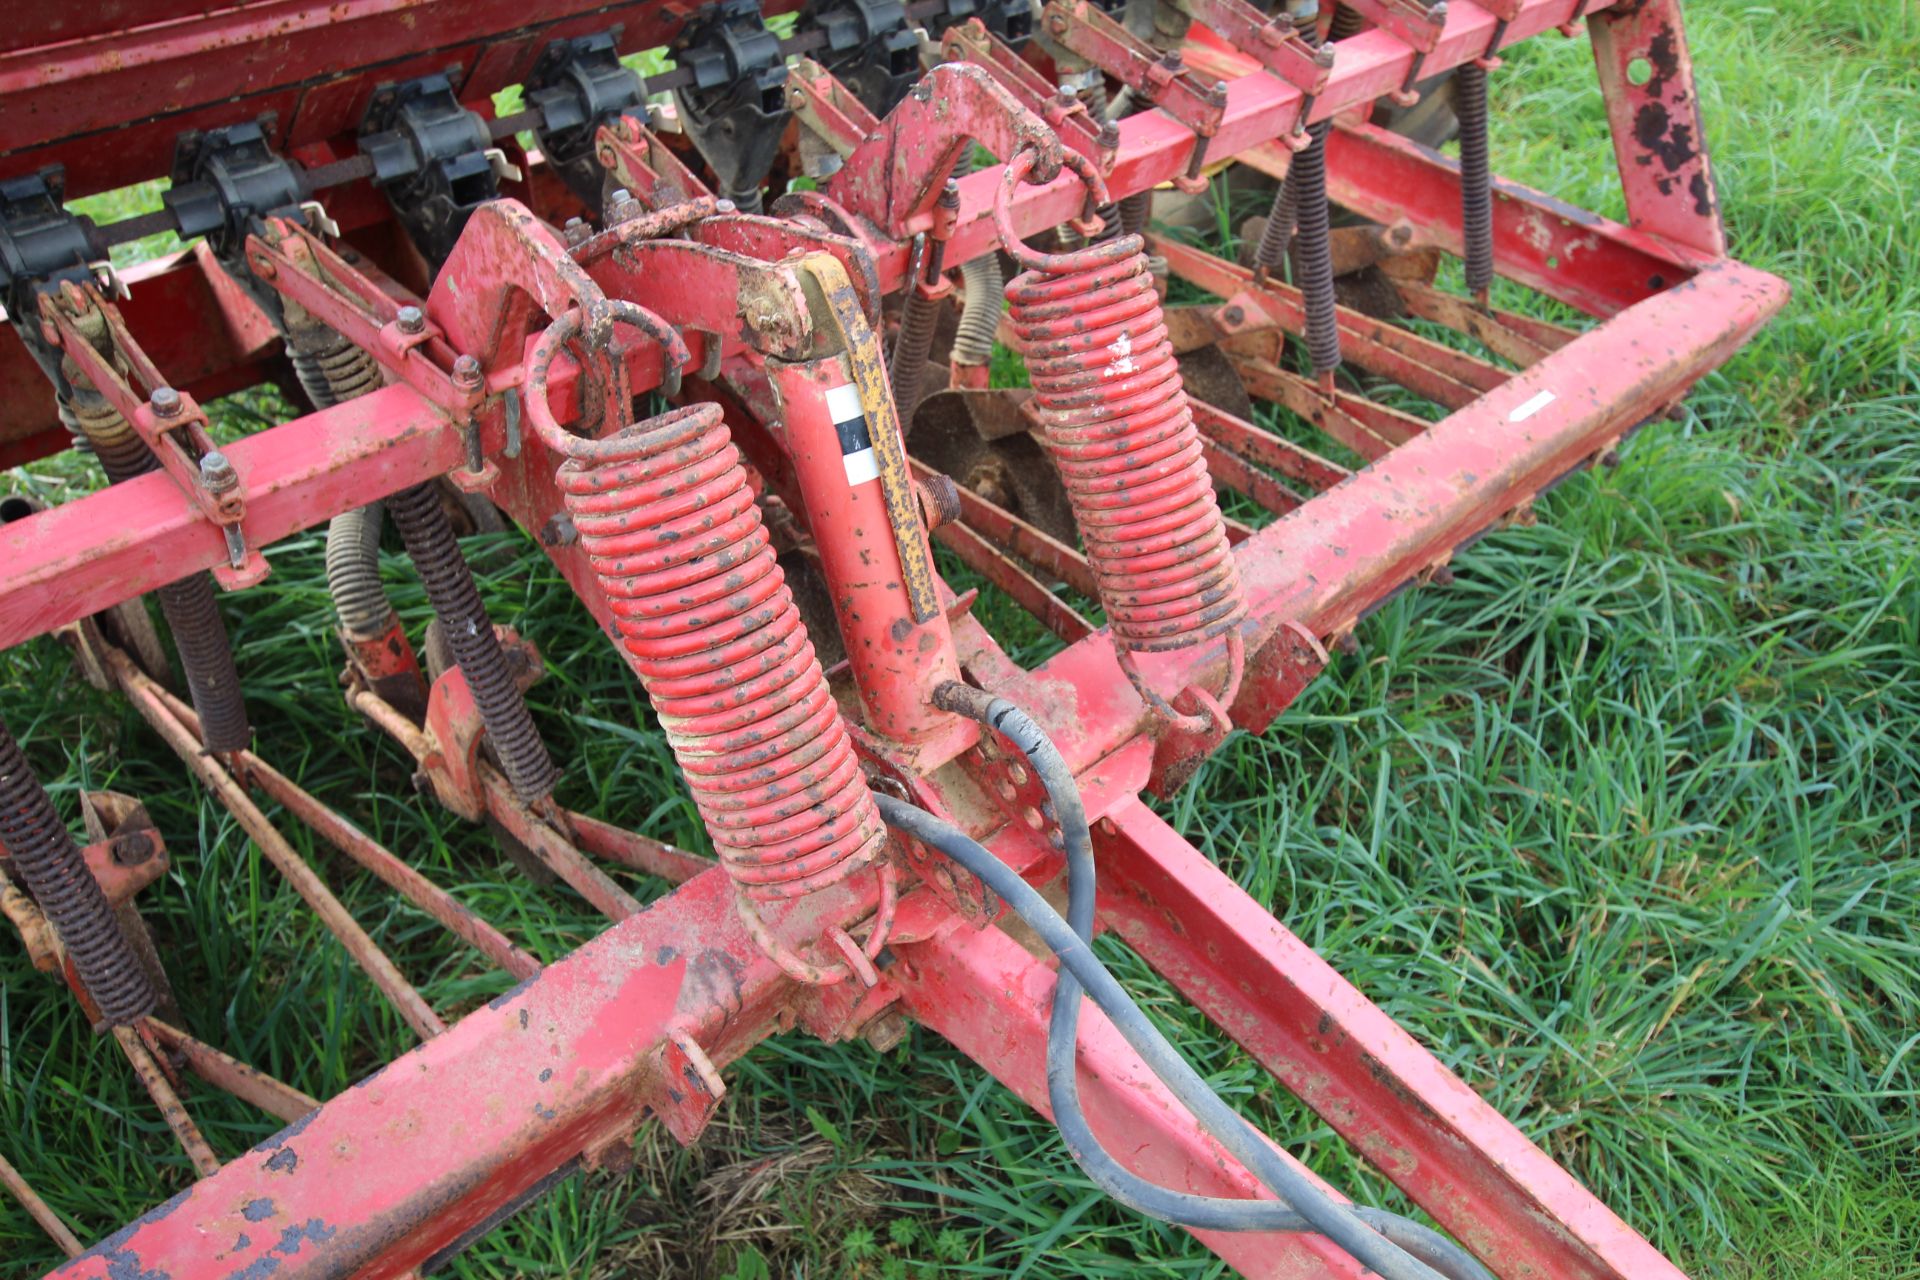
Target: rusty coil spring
435, 553
1118, 427
706, 620
46, 857
1476, 177
190, 607
331, 368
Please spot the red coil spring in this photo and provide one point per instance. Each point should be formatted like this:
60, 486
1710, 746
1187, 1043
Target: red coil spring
1117, 424
704, 615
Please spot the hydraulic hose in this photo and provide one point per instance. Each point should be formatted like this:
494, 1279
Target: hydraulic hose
1203, 1212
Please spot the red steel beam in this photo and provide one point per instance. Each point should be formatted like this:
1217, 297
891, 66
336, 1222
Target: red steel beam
432, 1148
83, 556
1347, 550
1391, 1100
1155, 148
1576, 257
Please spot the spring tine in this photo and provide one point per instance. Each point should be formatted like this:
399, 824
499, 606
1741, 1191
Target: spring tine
1521, 339
1009, 532
375, 857
189, 605
205, 1163
1257, 444
147, 699
631, 849
558, 855
39, 1210
282, 1101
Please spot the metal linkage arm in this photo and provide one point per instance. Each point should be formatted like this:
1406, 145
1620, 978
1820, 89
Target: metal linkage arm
895, 177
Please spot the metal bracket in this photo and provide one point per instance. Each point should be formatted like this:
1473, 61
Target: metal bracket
171, 423
1065, 115
1274, 42
894, 179
1412, 23
638, 161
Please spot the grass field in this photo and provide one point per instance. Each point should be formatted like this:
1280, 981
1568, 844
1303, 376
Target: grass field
1622, 823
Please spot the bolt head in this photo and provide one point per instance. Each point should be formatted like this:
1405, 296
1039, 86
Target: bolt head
725, 206
411, 320
165, 401
619, 197
466, 370
217, 474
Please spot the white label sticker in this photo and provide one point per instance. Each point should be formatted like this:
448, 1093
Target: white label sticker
856, 440
1532, 407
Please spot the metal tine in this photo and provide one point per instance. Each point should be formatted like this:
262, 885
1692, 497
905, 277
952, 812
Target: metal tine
407, 1002
39, 1210
1257, 444
1518, 338
1331, 415
205, 1163
1055, 614
1452, 378
374, 857
1035, 546
554, 850
227, 1073
638, 852
1231, 471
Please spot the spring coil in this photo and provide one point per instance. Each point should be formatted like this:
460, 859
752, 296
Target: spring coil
1120, 431
46, 857
331, 368
982, 293
707, 622
444, 572
1476, 176
190, 605
353, 572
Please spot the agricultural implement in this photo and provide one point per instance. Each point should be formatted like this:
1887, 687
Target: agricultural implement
720, 339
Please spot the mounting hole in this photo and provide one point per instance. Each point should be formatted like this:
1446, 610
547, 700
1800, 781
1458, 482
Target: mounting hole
1553, 264
12, 509
1639, 71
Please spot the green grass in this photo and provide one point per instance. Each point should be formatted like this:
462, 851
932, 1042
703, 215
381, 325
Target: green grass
1621, 824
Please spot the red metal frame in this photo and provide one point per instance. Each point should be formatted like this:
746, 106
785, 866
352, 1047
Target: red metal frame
767, 317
